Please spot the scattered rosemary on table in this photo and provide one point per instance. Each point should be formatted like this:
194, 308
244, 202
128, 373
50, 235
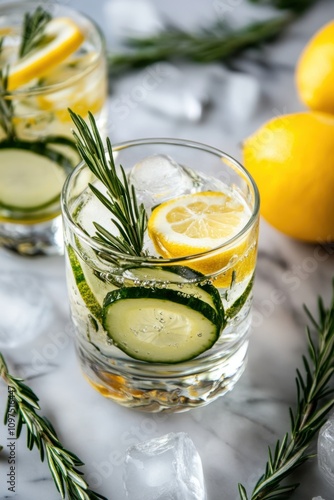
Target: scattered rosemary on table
41, 434
313, 404
129, 217
314, 401
217, 42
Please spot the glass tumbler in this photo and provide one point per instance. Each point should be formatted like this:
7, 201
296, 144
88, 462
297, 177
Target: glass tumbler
63, 67
168, 330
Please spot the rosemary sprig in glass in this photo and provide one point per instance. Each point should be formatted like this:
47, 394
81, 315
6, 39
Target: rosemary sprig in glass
6, 105
33, 30
120, 199
313, 404
41, 434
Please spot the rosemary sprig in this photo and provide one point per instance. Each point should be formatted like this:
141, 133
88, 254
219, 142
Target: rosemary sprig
313, 404
40, 433
33, 30
297, 6
6, 105
129, 217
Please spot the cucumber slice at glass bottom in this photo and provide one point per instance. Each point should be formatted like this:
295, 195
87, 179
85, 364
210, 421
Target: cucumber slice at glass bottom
159, 325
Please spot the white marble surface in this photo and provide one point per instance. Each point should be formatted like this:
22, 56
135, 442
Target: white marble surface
233, 433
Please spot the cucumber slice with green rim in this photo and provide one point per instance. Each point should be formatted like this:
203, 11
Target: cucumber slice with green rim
84, 290
159, 325
240, 301
180, 278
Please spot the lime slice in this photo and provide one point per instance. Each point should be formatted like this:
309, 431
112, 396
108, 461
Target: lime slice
159, 325
29, 181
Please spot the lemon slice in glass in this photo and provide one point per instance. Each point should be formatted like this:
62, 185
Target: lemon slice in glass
199, 222
62, 37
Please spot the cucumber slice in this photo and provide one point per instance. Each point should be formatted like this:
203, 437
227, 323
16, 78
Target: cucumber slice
32, 173
179, 278
159, 325
240, 301
84, 290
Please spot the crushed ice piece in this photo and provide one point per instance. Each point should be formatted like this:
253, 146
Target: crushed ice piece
167, 467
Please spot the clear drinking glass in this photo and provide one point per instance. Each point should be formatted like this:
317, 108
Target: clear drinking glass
36, 146
122, 351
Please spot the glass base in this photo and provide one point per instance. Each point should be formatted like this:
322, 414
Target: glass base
44, 238
169, 389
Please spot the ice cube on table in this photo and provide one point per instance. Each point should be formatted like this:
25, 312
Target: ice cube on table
158, 178
26, 309
326, 450
318, 498
164, 468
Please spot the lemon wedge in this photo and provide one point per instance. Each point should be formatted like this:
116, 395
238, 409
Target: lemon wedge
199, 222
63, 37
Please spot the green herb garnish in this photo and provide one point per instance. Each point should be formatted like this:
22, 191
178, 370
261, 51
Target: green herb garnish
33, 30
32, 34
129, 217
41, 434
217, 42
313, 404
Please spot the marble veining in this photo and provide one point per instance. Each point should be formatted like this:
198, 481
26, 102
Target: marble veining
233, 433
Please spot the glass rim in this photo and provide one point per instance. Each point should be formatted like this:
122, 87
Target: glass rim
161, 260
55, 87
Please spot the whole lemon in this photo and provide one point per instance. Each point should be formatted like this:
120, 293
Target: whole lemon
315, 71
292, 161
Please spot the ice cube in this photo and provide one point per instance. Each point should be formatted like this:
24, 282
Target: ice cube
326, 450
318, 498
126, 17
175, 93
165, 468
26, 309
158, 178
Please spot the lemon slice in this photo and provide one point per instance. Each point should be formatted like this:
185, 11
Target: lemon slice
195, 223
63, 37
